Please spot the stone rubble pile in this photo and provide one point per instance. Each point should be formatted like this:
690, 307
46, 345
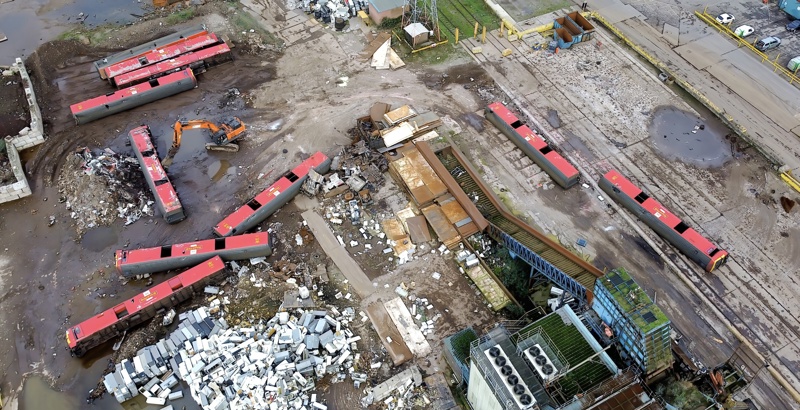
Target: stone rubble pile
271, 364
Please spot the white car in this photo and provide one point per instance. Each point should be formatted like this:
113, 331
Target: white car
743, 31
725, 18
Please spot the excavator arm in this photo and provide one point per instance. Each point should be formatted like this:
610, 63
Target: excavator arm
229, 130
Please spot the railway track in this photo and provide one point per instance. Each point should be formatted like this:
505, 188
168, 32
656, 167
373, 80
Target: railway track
561, 258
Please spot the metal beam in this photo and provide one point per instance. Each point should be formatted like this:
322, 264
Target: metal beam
540, 265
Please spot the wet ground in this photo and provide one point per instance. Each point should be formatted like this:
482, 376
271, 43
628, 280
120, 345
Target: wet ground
32, 22
683, 136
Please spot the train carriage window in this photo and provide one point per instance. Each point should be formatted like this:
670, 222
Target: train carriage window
681, 227
253, 204
166, 251
121, 311
714, 252
546, 150
219, 244
642, 197
516, 124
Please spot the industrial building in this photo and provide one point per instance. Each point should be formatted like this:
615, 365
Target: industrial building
551, 362
639, 326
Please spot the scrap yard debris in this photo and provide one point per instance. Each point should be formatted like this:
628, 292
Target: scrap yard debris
267, 364
98, 187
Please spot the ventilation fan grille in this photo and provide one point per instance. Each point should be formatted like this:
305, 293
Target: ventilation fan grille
510, 378
541, 362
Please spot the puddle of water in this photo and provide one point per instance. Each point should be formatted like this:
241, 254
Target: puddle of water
97, 239
680, 135
37, 394
218, 169
31, 23
552, 118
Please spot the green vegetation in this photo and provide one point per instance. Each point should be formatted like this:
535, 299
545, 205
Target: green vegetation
180, 16
463, 14
513, 273
244, 21
574, 349
548, 6
390, 23
94, 36
682, 394
461, 342
633, 300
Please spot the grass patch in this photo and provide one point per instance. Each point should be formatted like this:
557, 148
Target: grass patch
548, 6
463, 14
244, 21
94, 36
180, 16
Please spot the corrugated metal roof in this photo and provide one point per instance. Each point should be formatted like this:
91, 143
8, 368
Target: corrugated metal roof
385, 5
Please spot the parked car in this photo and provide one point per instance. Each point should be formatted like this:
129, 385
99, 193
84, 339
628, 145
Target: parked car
794, 64
793, 25
725, 18
744, 31
767, 43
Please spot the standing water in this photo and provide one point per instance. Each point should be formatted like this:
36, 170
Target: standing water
680, 135
97, 239
37, 394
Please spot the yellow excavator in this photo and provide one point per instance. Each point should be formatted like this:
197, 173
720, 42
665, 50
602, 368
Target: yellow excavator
223, 135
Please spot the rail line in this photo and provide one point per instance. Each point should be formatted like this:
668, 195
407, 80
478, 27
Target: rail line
547, 257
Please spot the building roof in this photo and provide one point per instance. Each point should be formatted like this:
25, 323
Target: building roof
633, 300
573, 347
386, 5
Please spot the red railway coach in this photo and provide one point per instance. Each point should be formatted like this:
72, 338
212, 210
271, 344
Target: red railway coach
132, 97
559, 169
271, 199
164, 193
666, 224
140, 308
163, 258
173, 50
142, 49
198, 61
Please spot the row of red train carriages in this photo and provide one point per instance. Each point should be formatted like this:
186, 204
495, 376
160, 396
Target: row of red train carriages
234, 240
623, 191
152, 71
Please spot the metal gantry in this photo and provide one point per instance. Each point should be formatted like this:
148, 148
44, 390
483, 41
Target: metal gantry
540, 265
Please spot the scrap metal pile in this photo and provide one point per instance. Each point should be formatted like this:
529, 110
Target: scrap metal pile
101, 186
270, 364
385, 129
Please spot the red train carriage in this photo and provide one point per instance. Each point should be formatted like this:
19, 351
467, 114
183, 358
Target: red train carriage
198, 61
163, 258
667, 225
164, 193
131, 97
562, 172
173, 50
140, 308
271, 199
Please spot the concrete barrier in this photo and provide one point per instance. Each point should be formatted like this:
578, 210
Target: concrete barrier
28, 137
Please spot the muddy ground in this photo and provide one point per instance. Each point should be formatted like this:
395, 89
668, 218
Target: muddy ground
51, 277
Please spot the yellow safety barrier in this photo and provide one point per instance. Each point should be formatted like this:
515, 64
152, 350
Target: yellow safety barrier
430, 46
712, 21
791, 180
